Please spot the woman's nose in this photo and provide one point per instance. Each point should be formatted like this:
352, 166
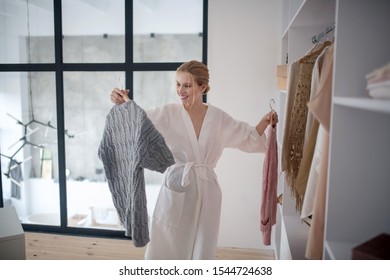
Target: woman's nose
180, 89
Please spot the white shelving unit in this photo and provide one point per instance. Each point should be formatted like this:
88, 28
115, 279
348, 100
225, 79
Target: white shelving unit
358, 175
374, 105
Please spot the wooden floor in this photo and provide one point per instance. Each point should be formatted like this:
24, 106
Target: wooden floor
43, 246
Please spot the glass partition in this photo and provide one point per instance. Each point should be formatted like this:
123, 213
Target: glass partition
28, 144
154, 88
22, 23
167, 31
31, 79
93, 31
86, 105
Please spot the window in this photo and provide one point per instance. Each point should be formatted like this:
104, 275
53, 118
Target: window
58, 65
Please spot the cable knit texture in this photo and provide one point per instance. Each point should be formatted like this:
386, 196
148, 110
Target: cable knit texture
129, 144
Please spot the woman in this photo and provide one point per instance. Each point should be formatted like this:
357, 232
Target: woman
186, 218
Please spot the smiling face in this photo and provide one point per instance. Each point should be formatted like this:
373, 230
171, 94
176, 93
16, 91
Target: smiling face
187, 89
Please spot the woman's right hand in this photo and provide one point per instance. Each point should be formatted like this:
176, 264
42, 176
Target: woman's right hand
118, 96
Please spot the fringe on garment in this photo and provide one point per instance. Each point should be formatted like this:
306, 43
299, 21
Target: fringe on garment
297, 129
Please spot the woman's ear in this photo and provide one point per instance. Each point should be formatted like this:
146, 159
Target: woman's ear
203, 87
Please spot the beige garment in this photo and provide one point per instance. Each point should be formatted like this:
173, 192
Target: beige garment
315, 79
307, 158
310, 134
312, 180
315, 242
320, 106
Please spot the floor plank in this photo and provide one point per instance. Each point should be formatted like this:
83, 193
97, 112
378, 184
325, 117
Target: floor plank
44, 246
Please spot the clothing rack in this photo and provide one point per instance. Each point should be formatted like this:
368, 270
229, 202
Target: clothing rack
317, 38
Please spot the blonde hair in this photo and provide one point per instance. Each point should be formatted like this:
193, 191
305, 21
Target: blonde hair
198, 71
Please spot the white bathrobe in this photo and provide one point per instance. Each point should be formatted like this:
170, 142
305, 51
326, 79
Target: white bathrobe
186, 219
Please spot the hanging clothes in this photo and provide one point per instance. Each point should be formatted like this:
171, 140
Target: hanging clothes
269, 186
315, 79
298, 120
312, 178
320, 106
292, 85
129, 144
186, 219
311, 132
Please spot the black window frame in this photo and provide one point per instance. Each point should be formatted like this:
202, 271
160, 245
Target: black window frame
59, 67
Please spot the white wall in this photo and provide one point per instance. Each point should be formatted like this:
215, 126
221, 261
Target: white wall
244, 39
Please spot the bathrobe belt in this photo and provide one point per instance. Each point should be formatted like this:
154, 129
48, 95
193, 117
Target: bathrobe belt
185, 180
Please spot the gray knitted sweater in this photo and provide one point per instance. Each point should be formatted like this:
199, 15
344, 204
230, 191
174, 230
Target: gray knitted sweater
129, 144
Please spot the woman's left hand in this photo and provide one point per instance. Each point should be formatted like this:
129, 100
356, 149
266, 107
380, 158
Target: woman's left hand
273, 118
270, 118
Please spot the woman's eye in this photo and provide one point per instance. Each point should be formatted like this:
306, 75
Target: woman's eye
185, 86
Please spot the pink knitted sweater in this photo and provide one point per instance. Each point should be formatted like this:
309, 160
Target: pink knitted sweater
270, 181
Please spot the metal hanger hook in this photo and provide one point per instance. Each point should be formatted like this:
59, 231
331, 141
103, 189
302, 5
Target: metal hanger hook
270, 104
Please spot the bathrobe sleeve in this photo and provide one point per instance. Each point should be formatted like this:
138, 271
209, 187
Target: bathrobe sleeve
161, 118
241, 135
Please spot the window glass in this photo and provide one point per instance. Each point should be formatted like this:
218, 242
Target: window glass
28, 139
154, 88
93, 31
86, 104
23, 24
167, 31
